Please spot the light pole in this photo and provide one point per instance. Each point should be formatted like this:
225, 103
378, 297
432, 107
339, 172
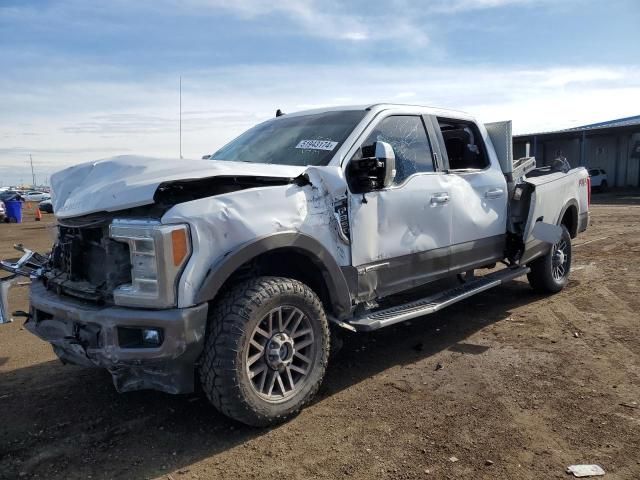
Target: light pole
33, 175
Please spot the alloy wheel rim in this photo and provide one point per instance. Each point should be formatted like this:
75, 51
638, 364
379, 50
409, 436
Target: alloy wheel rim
279, 356
559, 260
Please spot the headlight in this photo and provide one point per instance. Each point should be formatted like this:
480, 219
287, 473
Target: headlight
158, 253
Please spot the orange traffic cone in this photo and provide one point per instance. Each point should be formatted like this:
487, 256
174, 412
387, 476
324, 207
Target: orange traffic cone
38, 215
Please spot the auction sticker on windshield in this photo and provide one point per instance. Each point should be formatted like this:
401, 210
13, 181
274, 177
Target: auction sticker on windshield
317, 144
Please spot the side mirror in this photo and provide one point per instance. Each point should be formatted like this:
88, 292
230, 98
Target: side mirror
375, 170
386, 156
206, 157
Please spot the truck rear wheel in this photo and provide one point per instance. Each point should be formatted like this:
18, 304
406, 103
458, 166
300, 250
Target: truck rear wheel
266, 350
550, 274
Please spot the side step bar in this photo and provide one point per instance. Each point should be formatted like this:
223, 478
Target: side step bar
399, 313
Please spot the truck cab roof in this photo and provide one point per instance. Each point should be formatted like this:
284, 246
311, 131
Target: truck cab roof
379, 107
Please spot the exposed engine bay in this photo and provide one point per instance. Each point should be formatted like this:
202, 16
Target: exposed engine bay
86, 263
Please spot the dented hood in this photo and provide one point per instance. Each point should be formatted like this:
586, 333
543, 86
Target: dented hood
131, 181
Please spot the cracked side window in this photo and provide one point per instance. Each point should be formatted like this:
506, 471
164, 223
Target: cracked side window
407, 136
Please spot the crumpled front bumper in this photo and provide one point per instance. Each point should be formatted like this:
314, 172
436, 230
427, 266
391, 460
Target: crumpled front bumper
85, 334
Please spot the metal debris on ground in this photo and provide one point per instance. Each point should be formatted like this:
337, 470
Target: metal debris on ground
585, 470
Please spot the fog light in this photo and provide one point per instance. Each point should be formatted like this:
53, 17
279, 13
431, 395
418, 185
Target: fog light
140, 337
151, 337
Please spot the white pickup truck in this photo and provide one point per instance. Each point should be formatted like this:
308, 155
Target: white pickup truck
234, 269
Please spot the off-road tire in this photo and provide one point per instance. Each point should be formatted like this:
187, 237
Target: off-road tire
223, 365
541, 277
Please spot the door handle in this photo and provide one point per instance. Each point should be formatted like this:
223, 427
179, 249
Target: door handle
494, 193
439, 198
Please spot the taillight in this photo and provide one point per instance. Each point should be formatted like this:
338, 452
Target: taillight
588, 192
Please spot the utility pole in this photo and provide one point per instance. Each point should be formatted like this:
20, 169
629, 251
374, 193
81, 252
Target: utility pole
180, 117
33, 175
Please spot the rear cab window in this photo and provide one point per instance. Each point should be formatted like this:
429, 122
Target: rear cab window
464, 145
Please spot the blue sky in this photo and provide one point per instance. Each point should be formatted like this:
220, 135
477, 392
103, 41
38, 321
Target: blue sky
86, 80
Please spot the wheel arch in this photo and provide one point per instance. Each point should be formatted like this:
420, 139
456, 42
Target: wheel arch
292, 254
569, 217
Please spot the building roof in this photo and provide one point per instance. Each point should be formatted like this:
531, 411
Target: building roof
616, 123
619, 122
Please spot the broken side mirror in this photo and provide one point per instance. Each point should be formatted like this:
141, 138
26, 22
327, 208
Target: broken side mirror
375, 170
386, 155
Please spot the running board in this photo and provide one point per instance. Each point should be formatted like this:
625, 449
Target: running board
392, 315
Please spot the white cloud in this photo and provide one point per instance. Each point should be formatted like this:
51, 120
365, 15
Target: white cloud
397, 20
563, 77
404, 95
330, 19
455, 6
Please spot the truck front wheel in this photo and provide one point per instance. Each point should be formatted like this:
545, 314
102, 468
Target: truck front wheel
266, 350
549, 274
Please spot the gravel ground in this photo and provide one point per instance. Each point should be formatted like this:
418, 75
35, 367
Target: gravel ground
507, 384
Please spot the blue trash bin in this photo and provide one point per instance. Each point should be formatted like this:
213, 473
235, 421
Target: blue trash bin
14, 210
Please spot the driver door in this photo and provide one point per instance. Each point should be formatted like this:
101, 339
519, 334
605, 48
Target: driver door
401, 235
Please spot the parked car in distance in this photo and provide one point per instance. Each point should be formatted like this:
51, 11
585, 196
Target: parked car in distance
598, 179
34, 196
46, 206
3, 212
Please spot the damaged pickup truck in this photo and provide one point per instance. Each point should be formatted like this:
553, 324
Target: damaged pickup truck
235, 269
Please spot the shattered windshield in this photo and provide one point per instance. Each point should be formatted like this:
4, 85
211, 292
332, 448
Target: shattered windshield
297, 140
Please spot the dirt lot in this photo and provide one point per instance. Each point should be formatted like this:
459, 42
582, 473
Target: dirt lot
511, 384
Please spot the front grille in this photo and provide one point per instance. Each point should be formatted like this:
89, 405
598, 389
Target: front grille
86, 263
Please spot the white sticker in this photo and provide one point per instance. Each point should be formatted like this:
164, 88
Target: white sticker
317, 145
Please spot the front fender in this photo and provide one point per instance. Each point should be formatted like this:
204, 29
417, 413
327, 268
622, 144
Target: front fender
334, 279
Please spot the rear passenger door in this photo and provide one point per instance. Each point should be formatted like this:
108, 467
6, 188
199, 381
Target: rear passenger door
478, 194
400, 235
